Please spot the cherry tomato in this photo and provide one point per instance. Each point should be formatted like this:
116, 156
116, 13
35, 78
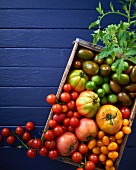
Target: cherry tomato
83, 148
5, 132
125, 122
51, 99
106, 140
126, 130
67, 87
125, 112
93, 157
89, 165
10, 139
31, 153
0, 138
77, 115
43, 151
64, 128
113, 154
119, 141
30, 142
65, 97
96, 150
59, 117
49, 135
69, 113
102, 157
71, 129
56, 108
74, 95
52, 123
112, 138
92, 144
109, 163
99, 143
53, 154
71, 104
74, 122
50, 144
64, 108
76, 156
66, 122
58, 131
101, 134
19, 130
104, 150
80, 169
112, 146
29, 126
26, 136
119, 135
37, 143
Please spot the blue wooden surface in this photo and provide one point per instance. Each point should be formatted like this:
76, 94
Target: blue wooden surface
35, 43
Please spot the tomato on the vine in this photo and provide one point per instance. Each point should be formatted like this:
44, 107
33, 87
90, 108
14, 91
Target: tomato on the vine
125, 112
83, 148
65, 97
67, 87
57, 108
69, 113
29, 126
49, 135
51, 99
53, 154
50, 144
77, 115
76, 156
31, 153
58, 131
74, 122
43, 151
10, 139
80, 169
5, 132
19, 130
37, 143
89, 165
30, 142
26, 136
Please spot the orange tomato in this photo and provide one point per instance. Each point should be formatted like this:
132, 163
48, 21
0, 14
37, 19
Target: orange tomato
125, 122
112, 138
126, 130
113, 154
102, 157
104, 150
109, 168
109, 163
99, 143
96, 150
91, 144
112, 146
100, 134
119, 141
106, 140
119, 135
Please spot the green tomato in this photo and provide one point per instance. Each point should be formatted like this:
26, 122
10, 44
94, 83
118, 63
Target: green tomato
125, 66
113, 68
100, 92
90, 85
104, 100
112, 98
106, 87
97, 79
109, 60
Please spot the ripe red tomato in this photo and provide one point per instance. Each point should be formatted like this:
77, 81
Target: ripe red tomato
77, 115
51, 99
30, 142
52, 123
77, 156
0, 138
57, 108
10, 139
65, 97
74, 95
83, 148
64, 128
49, 135
50, 144
43, 151
19, 130
59, 118
74, 122
125, 112
93, 157
64, 108
31, 153
66, 121
29, 126
37, 143
53, 154
89, 165
26, 136
67, 87
5, 132
80, 169
58, 131
71, 129
71, 104
69, 113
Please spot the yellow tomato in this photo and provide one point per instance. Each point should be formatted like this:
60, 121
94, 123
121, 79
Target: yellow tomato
113, 154
104, 150
109, 163
112, 146
102, 157
126, 130
119, 141
101, 134
99, 143
91, 144
119, 135
106, 140
112, 138
96, 150
125, 122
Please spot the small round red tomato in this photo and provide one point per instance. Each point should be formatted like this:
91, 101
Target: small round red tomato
77, 115
71, 104
66, 122
49, 135
67, 87
10, 139
74, 95
74, 122
69, 113
59, 118
71, 129
80, 169
93, 157
43, 151
0, 138
64, 128
31, 153
5, 132
51, 99
58, 131
83, 148
52, 123
37, 143
30, 142
64, 108
26, 136
29, 126
76, 156
50, 144
53, 154
56, 108
65, 97
89, 165
125, 112
19, 130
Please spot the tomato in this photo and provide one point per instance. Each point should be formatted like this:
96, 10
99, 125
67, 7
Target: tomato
90, 85
52, 123
99, 143
53, 154
19, 130
26, 136
77, 64
83, 148
64, 108
69, 113
30, 142
37, 143
71, 129
96, 150
43, 151
80, 169
106, 140
64, 128
93, 157
66, 121
125, 112
49, 135
126, 130
119, 135
89, 165
59, 118
112, 98
71, 104
5, 132
109, 163
100, 92
31, 153
58, 131
29, 126
119, 141
102, 157
74, 95
100, 134
74, 122
50, 144
109, 119
91, 144
112, 138
51, 99
112, 146
10, 139
67, 87
66, 144
65, 97
77, 115
0, 138
76, 156
56, 108
87, 103
109, 60
125, 122
104, 150
113, 154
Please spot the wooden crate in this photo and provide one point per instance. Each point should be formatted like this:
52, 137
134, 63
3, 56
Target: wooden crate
78, 43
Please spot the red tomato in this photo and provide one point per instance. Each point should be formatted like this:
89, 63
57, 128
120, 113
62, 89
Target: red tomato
31, 153
69, 113
89, 165
53, 154
74, 122
0, 138
74, 95
83, 148
66, 122
80, 169
52, 123
65, 97
30, 142
29, 126
26, 136
37, 143
77, 115
49, 135
56, 108
64, 128
59, 118
50, 144
64, 108
71, 129
19, 130
71, 104
125, 112
5, 132
58, 131
76, 157
10, 139
93, 157
43, 151
51, 99
67, 87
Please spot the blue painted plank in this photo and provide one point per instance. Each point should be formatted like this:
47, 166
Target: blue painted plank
30, 77
34, 57
25, 96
